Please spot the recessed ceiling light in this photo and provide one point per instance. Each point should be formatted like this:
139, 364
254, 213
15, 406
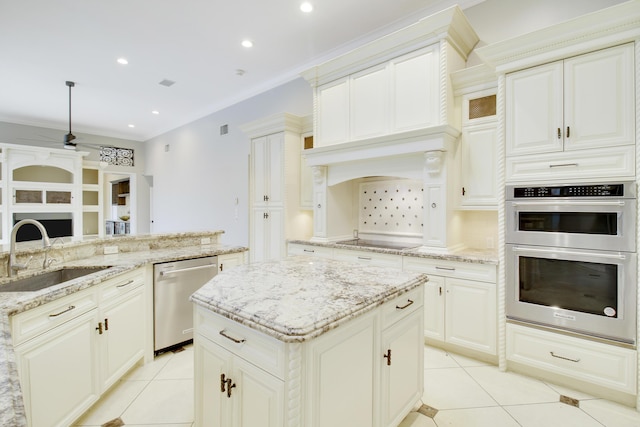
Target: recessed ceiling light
156, 112
132, 126
247, 43
306, 7
122, 61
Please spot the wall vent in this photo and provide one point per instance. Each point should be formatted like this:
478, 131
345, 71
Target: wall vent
224, 129
167, 82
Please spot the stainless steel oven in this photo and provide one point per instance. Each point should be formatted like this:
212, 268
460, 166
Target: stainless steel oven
571, 258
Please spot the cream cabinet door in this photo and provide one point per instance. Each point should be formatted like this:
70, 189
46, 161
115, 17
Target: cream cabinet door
333, 113
470, 314
434, 295
211, 362
369, 106
415, 89
403, 344
257, 398
478, 167
534, 105
599, 109
59, 372
228, 261
123, 336
267, 165
268, 241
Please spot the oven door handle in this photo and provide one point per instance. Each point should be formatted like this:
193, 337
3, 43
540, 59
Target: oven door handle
570, 203
578, 253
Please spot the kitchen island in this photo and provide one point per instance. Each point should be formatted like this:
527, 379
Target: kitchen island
307, 341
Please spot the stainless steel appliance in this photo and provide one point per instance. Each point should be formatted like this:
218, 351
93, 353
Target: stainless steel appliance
173, 284
571, 258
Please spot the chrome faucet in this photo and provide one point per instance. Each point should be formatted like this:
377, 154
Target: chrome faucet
13, 263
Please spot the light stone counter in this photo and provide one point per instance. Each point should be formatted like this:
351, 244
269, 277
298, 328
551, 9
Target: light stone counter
300, 298
480, 256
135, 252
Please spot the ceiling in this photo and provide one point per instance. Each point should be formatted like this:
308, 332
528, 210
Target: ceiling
195, 43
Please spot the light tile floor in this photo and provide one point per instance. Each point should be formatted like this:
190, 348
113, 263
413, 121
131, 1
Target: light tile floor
466, 393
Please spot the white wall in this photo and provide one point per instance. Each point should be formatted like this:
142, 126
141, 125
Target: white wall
197, 181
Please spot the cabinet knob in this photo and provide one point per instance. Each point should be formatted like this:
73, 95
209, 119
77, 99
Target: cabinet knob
230, 385
99, 328
388, 357
221, 266
559, 133
433, 205
463, 191
568, 132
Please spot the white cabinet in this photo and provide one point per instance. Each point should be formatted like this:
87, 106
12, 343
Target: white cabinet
309, 250
401, 94
582, 102
71, 350
122, 325
57, 372
460, 303
231, 392
227, 261
367, 372
478, 167
369, 258
274, 184
555, 354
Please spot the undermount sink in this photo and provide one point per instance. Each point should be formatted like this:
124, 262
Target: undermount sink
48, 279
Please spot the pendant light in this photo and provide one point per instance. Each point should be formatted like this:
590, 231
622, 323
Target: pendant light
68, 138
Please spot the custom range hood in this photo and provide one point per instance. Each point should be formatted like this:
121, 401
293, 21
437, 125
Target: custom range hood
379, 108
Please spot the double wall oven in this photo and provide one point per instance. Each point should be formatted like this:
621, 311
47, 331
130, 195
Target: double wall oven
571, 258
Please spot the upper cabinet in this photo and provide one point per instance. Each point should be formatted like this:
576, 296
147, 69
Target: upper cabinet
396, 85
582, 102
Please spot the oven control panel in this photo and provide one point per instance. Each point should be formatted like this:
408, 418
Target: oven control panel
592, 190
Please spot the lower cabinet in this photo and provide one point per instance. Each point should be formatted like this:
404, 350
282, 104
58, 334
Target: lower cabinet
367, 372
227, 261
459, 311
70, 351
58, 372
230, 391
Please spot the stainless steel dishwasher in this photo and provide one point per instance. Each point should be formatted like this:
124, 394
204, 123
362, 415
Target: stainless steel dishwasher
173, 284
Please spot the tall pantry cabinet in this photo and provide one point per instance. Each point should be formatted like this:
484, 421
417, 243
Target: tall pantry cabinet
274, 186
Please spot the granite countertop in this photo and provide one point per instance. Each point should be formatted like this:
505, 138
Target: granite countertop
11, 303
302, 297
480, 256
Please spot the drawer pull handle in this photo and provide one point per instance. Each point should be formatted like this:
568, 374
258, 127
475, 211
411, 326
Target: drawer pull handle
71, 307
309, 250
365, 258
235, 340
406, 305
563, 165
125, 284
564, 358
446, 268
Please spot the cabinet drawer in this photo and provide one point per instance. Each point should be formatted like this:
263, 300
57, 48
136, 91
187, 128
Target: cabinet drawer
121, 284
444, 268
371, 258
402, 306
31, 323
255, 347
597, 363
309, 250
579, 164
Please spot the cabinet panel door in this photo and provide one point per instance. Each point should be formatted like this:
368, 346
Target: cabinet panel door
434, 294
599, 99
534, 110
369, 103
275, 169
211, 361
124, 335
479, 180
435, 211
470, 315
260, 169
58, 372
401, 387
258, 398
416, 93
333, 113
342, 376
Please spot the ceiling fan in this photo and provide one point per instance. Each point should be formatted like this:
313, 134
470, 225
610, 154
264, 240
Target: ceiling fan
68, 138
